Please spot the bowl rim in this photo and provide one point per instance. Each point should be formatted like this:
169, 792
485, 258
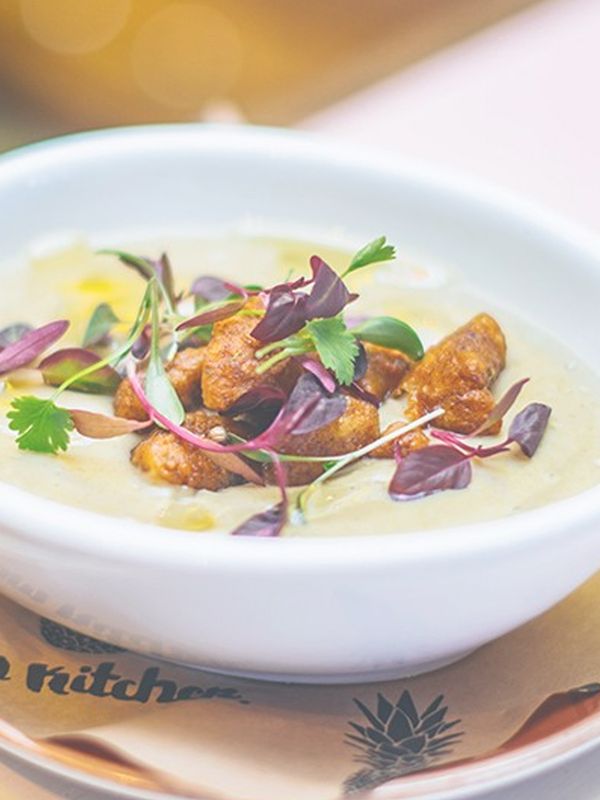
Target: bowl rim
46, 521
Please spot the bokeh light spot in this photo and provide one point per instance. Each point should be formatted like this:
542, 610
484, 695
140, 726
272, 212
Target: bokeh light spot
74, 27
185, 54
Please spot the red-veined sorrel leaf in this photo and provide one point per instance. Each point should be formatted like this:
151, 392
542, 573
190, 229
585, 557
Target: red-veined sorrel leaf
257, 398
323, 375
502, 407
13, 333
436, 468
308, 408
329, 294
267, 523
528, 427
63, 364
208, 316
285, 315
31, 345
102, 426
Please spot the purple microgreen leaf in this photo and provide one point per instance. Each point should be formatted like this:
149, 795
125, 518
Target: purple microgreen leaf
329, 294
285, 315
235, 464
13, 333
323, 375
64, 364
502, 407
164, 270
361, 363
42, 426
31, 345
267, 523
432, 469
357, 391
393, 333
148, 268
257, 398
308, 408
101, 323
211, 289
376, 251
218, 311
528, 427
141, 346
102, 426
336, 346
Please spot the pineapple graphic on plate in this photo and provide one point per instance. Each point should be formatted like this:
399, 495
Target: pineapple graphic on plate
397, 739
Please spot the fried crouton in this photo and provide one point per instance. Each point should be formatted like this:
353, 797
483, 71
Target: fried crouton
356, 427
126, 403
385, 369
405, 444
166, 457
456, 374
184, 371
230, 364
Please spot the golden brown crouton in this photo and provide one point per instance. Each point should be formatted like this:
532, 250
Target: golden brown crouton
185, 373
456, 375
413, 440
358, 425
165, 457
230, 363
126, 403
385, 370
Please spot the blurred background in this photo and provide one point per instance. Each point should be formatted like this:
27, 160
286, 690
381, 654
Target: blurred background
68, 65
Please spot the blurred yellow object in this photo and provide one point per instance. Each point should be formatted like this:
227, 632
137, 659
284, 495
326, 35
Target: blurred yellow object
61, 26
91, 63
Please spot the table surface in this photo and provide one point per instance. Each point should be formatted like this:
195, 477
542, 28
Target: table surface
514, 105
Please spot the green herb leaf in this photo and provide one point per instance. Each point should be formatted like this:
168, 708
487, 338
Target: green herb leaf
43, 427
159, 389
336, 346
160, 392
371, 253
393, 333
100, 325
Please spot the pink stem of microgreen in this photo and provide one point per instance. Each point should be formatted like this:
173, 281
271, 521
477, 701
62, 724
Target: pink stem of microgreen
471, 450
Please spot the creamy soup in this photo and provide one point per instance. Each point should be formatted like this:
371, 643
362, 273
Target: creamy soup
97, 475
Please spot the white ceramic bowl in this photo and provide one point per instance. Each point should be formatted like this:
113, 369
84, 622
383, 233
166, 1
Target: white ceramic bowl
318, 609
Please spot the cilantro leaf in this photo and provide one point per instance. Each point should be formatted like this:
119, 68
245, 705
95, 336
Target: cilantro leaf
336, 346
43, 427
377, 250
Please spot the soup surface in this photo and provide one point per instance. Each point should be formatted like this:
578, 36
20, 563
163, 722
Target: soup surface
97, 474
